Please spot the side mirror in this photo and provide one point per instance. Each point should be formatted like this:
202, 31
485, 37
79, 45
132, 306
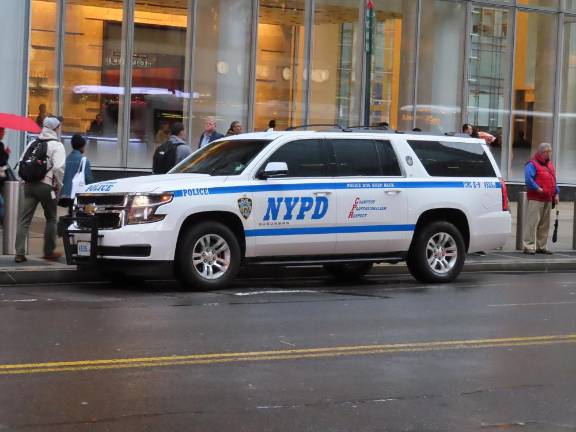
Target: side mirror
274, 169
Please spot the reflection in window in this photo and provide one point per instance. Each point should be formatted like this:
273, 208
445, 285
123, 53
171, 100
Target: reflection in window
279, 64
335, 81
393, 59
533, 87
92, 77
42, 79
305, 158
159, 96
542, 4
222, 64
488, 74
440, 66
567, 150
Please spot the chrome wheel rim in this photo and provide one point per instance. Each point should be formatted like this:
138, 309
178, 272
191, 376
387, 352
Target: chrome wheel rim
441, 253
211, 256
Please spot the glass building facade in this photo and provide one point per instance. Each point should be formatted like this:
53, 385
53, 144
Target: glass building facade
121, 71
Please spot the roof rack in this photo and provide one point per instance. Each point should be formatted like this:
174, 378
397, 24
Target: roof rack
334, 125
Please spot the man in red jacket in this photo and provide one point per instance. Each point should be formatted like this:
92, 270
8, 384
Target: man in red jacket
540, 178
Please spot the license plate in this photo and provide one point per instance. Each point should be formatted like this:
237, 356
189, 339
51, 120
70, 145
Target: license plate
83, 248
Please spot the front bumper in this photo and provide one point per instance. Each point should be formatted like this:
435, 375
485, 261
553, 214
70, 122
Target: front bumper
126, 243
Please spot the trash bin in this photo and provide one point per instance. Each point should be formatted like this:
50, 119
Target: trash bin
11, 205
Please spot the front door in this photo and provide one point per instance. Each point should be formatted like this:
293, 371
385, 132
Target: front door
296, 214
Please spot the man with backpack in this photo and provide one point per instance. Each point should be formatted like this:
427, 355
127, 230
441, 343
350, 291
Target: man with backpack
172, 152
42, 169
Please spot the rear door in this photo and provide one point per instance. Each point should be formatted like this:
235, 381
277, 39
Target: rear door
371, 203
296, 214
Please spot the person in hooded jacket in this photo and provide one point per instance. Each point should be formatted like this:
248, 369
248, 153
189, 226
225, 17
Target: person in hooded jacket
72, 165
543, 191
43, 192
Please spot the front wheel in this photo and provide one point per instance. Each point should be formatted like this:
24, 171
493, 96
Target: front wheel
348, 272
208, 257
437, 253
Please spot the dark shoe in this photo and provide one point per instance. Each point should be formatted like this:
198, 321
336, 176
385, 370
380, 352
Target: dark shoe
529, 251
53, 256
20, 259
544, 252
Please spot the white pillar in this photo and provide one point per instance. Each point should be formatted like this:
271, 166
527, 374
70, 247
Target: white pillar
13, 57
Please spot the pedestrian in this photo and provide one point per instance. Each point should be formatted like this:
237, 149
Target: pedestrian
163, 133
76, 163
4, 168
271, 125
210, 133
97, 125
468, 129
173, 151
42, 169
235, 128
543, 191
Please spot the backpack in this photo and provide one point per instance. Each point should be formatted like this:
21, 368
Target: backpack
79, 179
34, 165
165, 157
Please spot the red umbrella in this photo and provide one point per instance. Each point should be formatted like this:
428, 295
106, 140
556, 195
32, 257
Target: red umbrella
16, 122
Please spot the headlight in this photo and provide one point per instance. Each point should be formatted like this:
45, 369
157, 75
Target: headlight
142, 208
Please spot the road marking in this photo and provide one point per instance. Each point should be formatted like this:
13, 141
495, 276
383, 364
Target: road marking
292, 354
533, 304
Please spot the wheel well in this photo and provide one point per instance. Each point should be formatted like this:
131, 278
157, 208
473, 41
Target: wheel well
454, 216
231, 220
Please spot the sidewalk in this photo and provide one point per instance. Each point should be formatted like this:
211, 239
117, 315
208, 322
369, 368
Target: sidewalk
37, 270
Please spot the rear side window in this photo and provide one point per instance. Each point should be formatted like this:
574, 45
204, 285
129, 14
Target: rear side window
453, 159
389, 160
305, 158
356, 158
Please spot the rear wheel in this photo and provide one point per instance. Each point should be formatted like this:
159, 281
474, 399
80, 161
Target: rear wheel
348, 271
437, 253
208, 257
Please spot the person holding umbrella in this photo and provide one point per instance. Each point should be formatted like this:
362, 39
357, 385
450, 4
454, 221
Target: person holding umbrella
543, 192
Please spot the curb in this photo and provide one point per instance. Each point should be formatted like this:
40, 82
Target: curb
64, 274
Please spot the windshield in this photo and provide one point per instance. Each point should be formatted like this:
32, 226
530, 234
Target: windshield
222, 158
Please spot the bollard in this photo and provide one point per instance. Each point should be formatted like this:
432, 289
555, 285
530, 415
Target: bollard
11, 206
521, 219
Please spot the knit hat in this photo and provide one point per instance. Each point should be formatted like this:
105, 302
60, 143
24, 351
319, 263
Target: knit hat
51, 123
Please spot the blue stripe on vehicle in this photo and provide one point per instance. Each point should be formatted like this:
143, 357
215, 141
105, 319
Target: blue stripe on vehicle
328, 230
221, 190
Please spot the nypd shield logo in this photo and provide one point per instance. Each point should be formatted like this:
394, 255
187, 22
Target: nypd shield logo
245, 207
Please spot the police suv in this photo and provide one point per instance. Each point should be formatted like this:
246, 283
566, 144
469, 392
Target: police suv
344, 200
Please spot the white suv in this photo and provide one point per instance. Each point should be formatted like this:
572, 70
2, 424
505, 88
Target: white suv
345, 200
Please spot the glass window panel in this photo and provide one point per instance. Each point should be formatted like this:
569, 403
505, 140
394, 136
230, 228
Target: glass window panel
567, 151
489, 74
42, 79
92, 77
305, 158
541, 4
356, 158
222, 64
159, 96
279, 63
335, 68
441, 60
533, 87
393, 63
569, 5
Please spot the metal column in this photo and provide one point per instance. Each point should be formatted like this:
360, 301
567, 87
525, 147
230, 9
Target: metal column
11, 197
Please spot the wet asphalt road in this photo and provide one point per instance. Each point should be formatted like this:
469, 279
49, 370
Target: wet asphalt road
494, 351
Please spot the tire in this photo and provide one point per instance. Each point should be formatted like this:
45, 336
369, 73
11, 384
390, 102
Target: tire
208, 257
437, 253
348, 272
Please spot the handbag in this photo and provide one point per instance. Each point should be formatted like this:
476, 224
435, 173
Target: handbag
79, 179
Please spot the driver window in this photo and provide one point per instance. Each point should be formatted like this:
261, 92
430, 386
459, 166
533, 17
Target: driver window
305, 158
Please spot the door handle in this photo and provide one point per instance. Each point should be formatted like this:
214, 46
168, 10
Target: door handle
393, 192
322, 193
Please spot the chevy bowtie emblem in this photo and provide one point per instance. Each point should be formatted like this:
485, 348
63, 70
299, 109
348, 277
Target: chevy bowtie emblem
90, 209
245, 207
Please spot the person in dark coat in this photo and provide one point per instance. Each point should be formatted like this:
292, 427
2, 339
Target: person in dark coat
71, 167
210, 133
